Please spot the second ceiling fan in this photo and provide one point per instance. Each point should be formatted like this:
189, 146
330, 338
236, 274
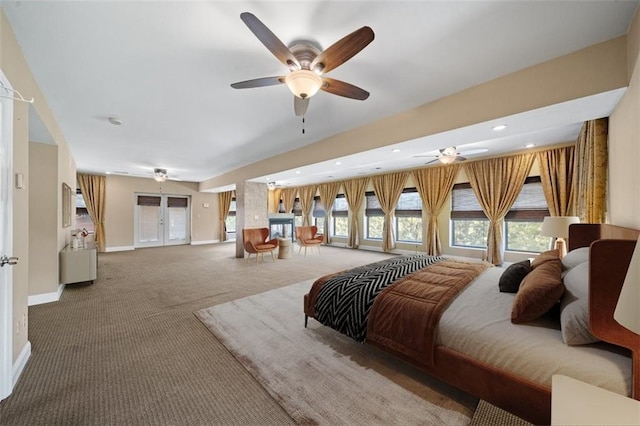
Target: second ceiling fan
308, 64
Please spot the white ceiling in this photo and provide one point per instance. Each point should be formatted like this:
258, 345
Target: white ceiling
165, 69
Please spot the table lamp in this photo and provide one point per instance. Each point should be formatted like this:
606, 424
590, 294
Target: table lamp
627, 311
558, 228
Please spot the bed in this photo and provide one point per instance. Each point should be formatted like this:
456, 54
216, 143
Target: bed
474, 345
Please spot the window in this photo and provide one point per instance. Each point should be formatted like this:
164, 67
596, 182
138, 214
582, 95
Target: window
409, 216
374, 217
470, 226
318, 214
230, 222
340, 214
83, 220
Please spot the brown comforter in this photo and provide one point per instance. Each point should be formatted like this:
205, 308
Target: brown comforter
405, 314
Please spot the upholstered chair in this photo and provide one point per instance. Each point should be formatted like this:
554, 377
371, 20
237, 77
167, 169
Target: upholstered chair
255, 241
308, 236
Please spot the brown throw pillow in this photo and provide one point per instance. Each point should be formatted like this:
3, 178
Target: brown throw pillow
540, 290
545, 257
512, 276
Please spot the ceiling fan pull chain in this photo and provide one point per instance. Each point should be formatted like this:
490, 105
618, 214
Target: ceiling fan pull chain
303, 124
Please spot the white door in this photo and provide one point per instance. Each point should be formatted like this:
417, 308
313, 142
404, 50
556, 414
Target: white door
6, 244
162, 220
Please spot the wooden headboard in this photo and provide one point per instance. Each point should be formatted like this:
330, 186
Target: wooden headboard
611, 248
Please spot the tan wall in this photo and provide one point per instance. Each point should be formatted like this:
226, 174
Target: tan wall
15, 67
598, 68
119, 209
624, 143
43, 221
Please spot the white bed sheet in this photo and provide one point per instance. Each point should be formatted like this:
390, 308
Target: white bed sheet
478, 324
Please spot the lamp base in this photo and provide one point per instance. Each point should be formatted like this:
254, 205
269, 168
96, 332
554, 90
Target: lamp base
561, 246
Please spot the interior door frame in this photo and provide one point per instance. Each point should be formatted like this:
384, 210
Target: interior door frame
6, 217
163, 218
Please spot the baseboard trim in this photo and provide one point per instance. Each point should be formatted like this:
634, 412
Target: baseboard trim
197, 243
39, 299
21, 362
121, 248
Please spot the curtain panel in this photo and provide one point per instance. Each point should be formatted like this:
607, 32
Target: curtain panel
496, 182
590, 171
306, 194
224, 203
354, 190
289, 198
93, 190
328, 193
556, 175
434, 185
388, 189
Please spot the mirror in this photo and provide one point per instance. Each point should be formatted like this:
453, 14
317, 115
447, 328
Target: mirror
67, 197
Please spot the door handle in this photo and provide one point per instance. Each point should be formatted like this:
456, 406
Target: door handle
4, 260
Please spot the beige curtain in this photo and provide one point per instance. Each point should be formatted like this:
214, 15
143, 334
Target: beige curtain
224, 203
496, 182
590, 172
93, 190
354, 190
306, 194
328, 192
556, 175
434, 185
388, 189
289, 198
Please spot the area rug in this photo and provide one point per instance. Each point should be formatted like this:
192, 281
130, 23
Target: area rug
322, 377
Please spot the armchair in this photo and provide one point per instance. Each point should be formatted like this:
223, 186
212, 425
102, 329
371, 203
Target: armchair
308, 236
255, 241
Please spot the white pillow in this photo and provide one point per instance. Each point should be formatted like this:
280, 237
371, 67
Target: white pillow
574, 307
575, 257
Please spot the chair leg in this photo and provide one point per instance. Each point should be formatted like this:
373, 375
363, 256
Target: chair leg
306, 321
305, 251
272, 256
257, 255
300, 250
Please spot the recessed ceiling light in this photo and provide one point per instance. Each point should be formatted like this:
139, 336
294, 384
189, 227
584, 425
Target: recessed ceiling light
115, 121
298, 172
395, 150
338, 163
530, 145
499, 127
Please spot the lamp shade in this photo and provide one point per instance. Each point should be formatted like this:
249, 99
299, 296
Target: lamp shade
303, 83
558, 226
627, 311
160, 175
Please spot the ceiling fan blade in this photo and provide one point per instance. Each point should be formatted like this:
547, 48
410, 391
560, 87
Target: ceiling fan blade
460, 158
258, 82
271, 42
473, 151
342, 50
300, 106
341, 88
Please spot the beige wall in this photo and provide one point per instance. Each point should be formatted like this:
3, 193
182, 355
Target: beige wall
120, 202
624, 143
14, 66
43, 221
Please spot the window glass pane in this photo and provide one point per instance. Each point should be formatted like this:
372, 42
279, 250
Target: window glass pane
148, 224
341, 226
177, 223
469, 232
374, 227
319, 223
231, 223
298, 220
525, 236
232, 206
409, 229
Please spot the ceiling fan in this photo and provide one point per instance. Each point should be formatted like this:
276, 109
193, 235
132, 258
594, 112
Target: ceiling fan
451, 154
307, 64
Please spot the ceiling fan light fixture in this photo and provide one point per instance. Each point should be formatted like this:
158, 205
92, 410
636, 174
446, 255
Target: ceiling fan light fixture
160, 175
303, 83
447, 159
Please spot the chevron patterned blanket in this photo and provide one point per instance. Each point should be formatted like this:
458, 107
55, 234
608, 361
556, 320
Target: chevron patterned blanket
344, 300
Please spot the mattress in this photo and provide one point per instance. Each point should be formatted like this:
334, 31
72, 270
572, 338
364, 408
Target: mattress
478, 324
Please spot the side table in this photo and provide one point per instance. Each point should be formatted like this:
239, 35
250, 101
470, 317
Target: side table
284, 248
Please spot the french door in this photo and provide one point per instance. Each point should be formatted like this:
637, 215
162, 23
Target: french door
162, 220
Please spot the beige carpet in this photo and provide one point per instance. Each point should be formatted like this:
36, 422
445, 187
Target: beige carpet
322, 377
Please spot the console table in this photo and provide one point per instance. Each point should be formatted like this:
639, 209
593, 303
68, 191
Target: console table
78, 265
281, 226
